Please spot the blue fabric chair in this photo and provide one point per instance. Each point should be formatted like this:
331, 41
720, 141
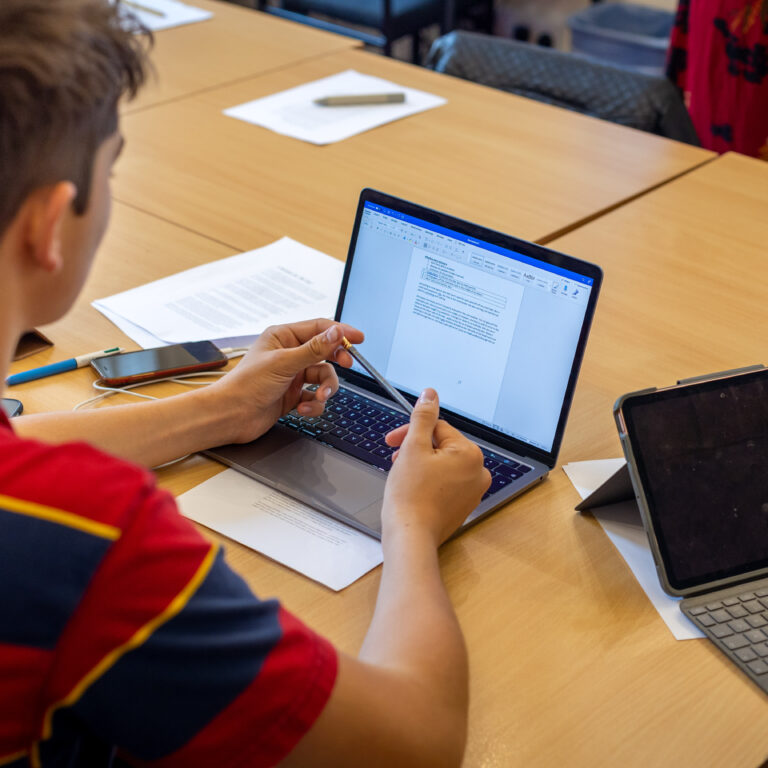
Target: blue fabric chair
389, 19
613, 93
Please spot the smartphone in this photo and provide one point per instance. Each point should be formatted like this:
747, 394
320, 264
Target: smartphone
12, 407
160, 363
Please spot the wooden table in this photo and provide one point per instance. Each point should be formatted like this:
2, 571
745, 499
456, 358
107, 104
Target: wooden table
235, 44
570, 663
506, 162
684, 289
684, 295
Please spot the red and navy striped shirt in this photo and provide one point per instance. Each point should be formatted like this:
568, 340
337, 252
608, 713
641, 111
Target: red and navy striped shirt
124, 636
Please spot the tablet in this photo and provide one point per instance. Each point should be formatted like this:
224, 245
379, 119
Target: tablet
698, 458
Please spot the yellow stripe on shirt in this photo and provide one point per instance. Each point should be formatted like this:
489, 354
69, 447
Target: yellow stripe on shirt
52, 515
140, 636
5, 759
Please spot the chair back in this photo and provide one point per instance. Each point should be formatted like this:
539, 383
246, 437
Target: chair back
568, 80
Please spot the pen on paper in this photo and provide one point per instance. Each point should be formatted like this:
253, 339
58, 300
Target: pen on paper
60, 367
352, 100
139, 7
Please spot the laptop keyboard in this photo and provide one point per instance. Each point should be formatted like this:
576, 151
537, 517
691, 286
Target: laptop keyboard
357, 425
738, 625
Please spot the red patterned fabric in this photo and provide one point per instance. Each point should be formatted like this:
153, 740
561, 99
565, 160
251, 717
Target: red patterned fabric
124, 636
719, 58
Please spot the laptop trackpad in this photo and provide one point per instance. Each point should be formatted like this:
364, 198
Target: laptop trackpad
307, 469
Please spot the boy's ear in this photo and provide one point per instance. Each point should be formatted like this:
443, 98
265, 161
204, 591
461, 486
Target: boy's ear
47, 208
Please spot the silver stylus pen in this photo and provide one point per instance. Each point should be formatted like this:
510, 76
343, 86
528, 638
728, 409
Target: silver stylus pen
385, 385
365, 98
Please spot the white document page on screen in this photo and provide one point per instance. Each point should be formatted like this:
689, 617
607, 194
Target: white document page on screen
237, 296
458, 320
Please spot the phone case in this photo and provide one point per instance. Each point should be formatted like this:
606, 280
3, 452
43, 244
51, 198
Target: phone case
152, 375
634, 475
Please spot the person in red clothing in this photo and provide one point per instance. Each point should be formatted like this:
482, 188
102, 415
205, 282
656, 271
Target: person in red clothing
125, 639
718, 56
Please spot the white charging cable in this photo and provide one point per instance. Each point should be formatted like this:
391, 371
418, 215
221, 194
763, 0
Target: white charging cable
184, 379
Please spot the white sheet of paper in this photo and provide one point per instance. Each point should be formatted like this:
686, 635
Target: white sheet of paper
172, 13
144, 339
621, 522
279, 527
293, 113
588, 476
237, 296
148, 341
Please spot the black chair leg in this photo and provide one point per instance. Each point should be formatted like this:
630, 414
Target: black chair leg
416, 48
490, 18
448, 22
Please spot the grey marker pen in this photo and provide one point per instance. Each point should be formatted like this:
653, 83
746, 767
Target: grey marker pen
385, 385
361, 99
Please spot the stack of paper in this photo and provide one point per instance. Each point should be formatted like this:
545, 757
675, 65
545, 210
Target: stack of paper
235, 297
281, 528
163, 14
294, 113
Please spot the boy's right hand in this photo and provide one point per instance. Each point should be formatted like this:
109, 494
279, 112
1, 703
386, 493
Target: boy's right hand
432, 489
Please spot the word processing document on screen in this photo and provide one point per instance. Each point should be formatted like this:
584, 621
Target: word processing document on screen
495, 332
454, 306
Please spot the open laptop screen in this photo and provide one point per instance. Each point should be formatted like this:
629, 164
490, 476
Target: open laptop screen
493, 330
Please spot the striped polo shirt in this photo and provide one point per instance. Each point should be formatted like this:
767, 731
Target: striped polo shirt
124, 636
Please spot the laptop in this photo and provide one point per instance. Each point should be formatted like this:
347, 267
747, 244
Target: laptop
496, 325
697, 456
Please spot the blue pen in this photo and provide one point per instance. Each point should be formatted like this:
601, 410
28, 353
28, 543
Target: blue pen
54, 368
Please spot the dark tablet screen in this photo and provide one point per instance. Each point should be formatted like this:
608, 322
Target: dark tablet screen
702, 456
